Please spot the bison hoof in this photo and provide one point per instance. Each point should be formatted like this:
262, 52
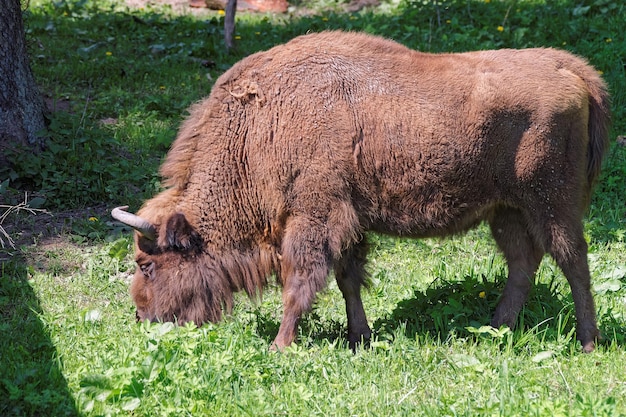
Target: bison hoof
589, 347
354, 341
274, 347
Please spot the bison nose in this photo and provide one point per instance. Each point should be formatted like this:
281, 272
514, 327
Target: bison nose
137, 317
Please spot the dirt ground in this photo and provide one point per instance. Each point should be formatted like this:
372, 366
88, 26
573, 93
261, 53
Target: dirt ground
42, 231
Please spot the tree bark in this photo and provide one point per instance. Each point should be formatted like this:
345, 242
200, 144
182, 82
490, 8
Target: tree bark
229, 23
21, 105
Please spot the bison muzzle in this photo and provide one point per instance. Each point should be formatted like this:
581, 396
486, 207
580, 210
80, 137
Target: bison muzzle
300, 150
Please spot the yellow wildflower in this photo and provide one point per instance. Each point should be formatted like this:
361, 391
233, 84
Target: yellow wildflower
500, 28
608, 40
482, 294
108, 53
221, 12
237, 37
93, 219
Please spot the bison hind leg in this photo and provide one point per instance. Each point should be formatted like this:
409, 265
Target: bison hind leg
351, 275
523, 256
569, 250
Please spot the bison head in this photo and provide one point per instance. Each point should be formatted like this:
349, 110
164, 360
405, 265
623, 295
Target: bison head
175, 278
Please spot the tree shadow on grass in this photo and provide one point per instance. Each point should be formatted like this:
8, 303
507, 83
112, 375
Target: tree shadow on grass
31, 381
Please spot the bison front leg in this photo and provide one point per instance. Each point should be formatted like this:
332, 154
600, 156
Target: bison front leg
305, 265
299, 290
351, 276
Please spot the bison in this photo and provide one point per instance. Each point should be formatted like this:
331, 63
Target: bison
300, 150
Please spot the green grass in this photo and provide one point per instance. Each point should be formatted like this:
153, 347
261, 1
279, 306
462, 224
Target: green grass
423, 358
69, 343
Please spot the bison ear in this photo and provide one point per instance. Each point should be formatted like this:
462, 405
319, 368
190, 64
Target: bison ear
147, 270
180, 235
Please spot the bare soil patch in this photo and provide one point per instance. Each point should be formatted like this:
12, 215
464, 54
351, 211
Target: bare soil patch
44, 231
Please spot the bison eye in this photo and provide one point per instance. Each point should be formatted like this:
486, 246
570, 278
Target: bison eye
147, 270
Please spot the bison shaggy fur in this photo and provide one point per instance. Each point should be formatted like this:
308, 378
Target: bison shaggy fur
300, 150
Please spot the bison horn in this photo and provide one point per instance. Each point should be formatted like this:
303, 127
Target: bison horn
141, 225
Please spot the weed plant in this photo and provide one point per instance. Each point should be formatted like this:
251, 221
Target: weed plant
69, 343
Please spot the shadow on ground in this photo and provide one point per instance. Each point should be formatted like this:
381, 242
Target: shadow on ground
451, 307
31, 381
313, 328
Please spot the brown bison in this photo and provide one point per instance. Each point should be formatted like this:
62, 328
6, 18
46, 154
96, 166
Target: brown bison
300, 150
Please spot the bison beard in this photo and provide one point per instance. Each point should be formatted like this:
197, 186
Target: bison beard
300, 150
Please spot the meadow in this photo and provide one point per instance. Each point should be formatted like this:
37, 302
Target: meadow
120, 77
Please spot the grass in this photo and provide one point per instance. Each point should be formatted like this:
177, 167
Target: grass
423, 358
70, 345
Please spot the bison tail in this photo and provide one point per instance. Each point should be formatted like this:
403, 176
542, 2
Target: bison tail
599, 122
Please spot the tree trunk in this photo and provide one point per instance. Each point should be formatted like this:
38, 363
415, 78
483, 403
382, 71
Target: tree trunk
21, 106
229, 23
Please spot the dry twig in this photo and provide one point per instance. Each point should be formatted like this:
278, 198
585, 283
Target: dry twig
5, 238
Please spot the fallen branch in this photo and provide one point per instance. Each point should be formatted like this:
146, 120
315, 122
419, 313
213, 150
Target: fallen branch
5, 238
